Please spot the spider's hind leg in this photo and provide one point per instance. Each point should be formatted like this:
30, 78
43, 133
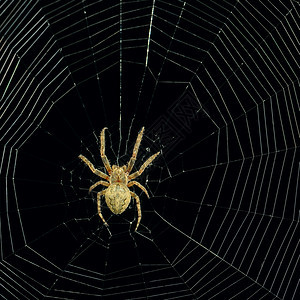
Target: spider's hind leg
99, 206
131, 183
138, 204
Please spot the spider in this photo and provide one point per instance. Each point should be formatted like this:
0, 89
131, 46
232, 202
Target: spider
118, 180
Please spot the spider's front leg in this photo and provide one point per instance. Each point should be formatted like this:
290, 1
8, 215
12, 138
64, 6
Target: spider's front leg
102, 151
143, 167
92, 168
135, 150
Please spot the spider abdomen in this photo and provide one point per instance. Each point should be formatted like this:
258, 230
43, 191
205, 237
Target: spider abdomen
117, 197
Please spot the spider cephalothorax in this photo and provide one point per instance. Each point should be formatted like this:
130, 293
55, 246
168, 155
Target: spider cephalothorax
117, 195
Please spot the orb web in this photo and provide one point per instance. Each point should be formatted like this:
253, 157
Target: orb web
216, 86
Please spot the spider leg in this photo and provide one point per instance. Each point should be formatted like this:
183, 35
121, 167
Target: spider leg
99, 206
138, 204
102, 151
135, 151
92, 168
98, 183
131, 183
143, 167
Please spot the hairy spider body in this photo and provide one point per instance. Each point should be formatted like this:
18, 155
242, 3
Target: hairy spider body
117, 198
118, 180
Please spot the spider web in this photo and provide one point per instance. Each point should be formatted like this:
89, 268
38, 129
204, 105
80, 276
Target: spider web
216, 85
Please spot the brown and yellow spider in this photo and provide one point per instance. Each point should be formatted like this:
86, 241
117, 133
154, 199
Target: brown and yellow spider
119, 179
